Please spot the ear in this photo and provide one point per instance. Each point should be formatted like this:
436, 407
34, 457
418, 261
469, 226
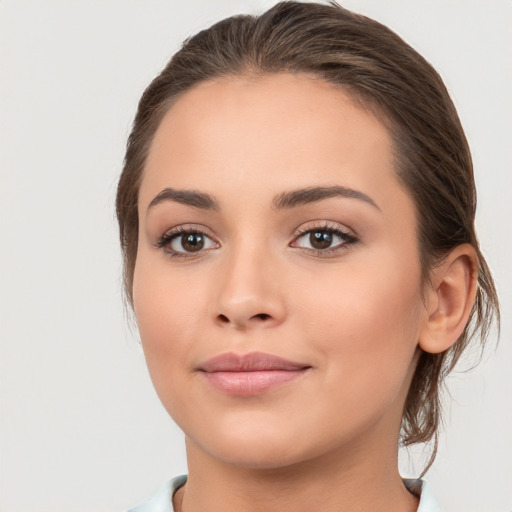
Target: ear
449, 299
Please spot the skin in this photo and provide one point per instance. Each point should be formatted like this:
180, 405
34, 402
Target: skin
356, 316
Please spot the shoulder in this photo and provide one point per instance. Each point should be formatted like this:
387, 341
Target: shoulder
161, 501
420, 488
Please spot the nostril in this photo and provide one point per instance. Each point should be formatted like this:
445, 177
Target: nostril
223, 319
262, 316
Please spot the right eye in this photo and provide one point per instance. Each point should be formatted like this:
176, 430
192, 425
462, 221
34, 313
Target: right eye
185, 242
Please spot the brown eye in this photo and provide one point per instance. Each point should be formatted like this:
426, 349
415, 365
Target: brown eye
183, 242
320, 239
324, 241
191, 242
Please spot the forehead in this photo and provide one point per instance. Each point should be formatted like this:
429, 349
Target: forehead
269, 133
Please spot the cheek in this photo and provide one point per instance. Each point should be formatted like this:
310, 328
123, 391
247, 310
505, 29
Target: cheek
366, 323
170, 312
167, 302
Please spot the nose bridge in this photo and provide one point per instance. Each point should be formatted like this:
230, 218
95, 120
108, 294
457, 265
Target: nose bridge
247, 293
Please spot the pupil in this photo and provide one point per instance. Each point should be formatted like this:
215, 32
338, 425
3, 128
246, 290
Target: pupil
193, 242
320, 239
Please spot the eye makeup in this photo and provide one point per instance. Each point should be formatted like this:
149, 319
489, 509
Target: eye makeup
322, 240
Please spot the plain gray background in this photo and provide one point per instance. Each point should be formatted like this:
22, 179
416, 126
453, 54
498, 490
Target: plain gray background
81, 428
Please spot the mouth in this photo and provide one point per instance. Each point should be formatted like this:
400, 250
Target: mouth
250, 374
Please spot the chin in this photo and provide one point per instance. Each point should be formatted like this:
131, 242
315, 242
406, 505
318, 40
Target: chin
263, 447
257, 457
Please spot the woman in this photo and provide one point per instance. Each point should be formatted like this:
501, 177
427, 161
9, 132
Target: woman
297, 220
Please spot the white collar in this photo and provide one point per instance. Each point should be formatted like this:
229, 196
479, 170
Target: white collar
162, 500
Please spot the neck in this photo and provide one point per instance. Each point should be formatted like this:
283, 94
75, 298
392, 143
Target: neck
359, 480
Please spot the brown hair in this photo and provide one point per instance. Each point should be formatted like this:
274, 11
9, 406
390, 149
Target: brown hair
382, 73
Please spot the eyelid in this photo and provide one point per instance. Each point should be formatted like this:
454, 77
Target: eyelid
171, 234
346, 234
326, 225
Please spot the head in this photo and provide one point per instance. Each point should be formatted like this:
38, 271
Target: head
381, 76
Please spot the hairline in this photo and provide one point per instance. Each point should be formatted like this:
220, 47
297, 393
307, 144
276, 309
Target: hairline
364, 101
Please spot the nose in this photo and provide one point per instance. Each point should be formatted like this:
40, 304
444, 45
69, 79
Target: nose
249, 294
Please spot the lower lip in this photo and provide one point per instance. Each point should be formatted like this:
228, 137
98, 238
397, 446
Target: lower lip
251, 383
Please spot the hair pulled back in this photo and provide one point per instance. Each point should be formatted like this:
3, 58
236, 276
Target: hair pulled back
382, 73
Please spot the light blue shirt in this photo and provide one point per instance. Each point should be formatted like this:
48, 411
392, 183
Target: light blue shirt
162, 500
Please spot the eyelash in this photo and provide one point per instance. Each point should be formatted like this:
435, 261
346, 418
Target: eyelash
169, 236
333, 229
348, 240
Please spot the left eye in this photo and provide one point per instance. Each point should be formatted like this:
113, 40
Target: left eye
322, 239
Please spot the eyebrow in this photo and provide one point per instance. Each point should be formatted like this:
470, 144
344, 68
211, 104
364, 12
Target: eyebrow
285, 200
192, 198
313, 194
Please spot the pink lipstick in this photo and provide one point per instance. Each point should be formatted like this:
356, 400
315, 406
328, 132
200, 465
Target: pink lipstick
250, 374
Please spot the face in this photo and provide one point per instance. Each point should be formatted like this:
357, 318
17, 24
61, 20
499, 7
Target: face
277, 282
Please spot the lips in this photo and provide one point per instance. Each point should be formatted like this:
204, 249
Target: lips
250, 374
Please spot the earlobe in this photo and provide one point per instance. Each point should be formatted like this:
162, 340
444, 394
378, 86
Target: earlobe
449, 300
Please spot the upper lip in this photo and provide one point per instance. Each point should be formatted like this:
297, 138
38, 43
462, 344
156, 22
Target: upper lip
251, 362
